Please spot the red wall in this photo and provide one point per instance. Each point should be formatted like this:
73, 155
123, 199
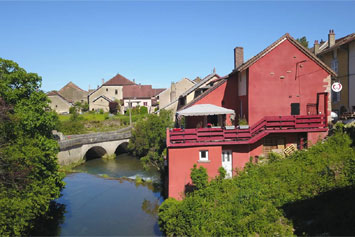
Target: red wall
270, 95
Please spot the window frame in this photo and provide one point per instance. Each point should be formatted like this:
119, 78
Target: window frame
206, 155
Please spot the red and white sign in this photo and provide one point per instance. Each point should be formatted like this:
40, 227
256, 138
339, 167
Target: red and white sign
336, 87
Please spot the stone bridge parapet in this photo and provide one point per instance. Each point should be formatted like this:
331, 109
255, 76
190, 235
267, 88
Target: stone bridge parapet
73, 148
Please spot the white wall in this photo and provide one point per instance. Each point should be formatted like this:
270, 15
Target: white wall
109, 92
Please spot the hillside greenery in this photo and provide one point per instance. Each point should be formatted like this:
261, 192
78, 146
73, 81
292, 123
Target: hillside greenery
309, 193
29, 176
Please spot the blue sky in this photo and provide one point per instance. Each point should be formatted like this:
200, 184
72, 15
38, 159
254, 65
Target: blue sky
154, 42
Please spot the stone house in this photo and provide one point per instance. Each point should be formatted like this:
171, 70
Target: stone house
58, 103
339, 54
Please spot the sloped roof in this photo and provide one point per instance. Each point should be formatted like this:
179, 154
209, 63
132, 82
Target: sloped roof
339, 42
118, 80
198, 98
204, 110
286, 36
198, 84
70, 85
103, 97
56, 93
158, 91
138, 92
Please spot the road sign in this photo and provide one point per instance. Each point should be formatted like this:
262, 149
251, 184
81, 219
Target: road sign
336, 87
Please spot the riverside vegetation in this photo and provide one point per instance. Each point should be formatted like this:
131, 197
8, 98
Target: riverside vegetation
29, 172
309, 193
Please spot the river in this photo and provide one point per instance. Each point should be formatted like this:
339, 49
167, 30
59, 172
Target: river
102, 198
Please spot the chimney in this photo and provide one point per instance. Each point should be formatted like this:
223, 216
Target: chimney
89, 87
103, 80
331, 38
316, 47
238, 57
134, 81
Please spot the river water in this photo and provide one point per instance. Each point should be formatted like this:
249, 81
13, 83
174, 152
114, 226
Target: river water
102, 199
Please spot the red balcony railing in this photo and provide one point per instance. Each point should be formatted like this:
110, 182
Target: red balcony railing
267, 125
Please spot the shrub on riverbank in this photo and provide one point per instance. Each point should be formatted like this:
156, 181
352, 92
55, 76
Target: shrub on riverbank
29, 176
148, 139
259, 200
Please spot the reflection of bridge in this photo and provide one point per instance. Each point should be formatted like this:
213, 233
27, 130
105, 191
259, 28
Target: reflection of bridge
75, 148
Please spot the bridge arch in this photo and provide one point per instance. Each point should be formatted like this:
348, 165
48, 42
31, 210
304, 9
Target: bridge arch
95, 152
122, 148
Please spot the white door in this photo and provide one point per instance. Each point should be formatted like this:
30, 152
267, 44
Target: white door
227, 163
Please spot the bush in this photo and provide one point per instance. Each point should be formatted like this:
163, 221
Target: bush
252, 203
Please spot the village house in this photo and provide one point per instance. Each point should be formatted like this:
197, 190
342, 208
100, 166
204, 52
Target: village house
58, 103
66, 97
339, 54
282, 97
178, 100
168, 98
121, 90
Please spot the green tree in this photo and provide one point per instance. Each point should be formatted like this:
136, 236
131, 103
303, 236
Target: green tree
29, 176
148, 139
303, 40
199, 176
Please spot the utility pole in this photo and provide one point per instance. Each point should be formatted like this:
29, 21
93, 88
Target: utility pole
130, 115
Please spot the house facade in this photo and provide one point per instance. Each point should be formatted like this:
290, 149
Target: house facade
339, 54
168, 98
112, 90
73, 93
283, 95
58, 103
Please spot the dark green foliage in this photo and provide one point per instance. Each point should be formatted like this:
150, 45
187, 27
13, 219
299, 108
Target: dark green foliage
148, 139
29, 176
143, 110
253, 203
303, 40
199, 177
74, 125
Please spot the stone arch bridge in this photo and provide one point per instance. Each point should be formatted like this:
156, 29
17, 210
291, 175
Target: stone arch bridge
76, 148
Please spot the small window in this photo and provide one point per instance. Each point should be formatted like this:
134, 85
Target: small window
116, 92
295, 108
106, 89
203, 155
145, 103
56, 106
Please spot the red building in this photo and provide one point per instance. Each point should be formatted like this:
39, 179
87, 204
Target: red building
283, 95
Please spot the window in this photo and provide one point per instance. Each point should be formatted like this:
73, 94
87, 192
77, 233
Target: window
204, 155
334, 65
295, 108
106, 89
145, 103
116, 92
335, 96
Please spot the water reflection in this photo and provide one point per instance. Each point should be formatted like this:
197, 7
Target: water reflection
49, 224
102, 200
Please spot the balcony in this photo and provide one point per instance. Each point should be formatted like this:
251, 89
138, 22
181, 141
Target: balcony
267, 125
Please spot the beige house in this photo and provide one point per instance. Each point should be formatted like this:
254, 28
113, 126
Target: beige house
112, 90
101, 102
189, 94
73, 93
58, 102
176, 89
339, 54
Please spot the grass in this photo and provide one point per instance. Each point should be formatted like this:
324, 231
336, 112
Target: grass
95, 122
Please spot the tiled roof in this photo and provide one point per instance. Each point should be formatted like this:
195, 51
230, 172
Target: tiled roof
70, 85
56, 93
338, 43
286, 36
158, 91
138, 92
118, 80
